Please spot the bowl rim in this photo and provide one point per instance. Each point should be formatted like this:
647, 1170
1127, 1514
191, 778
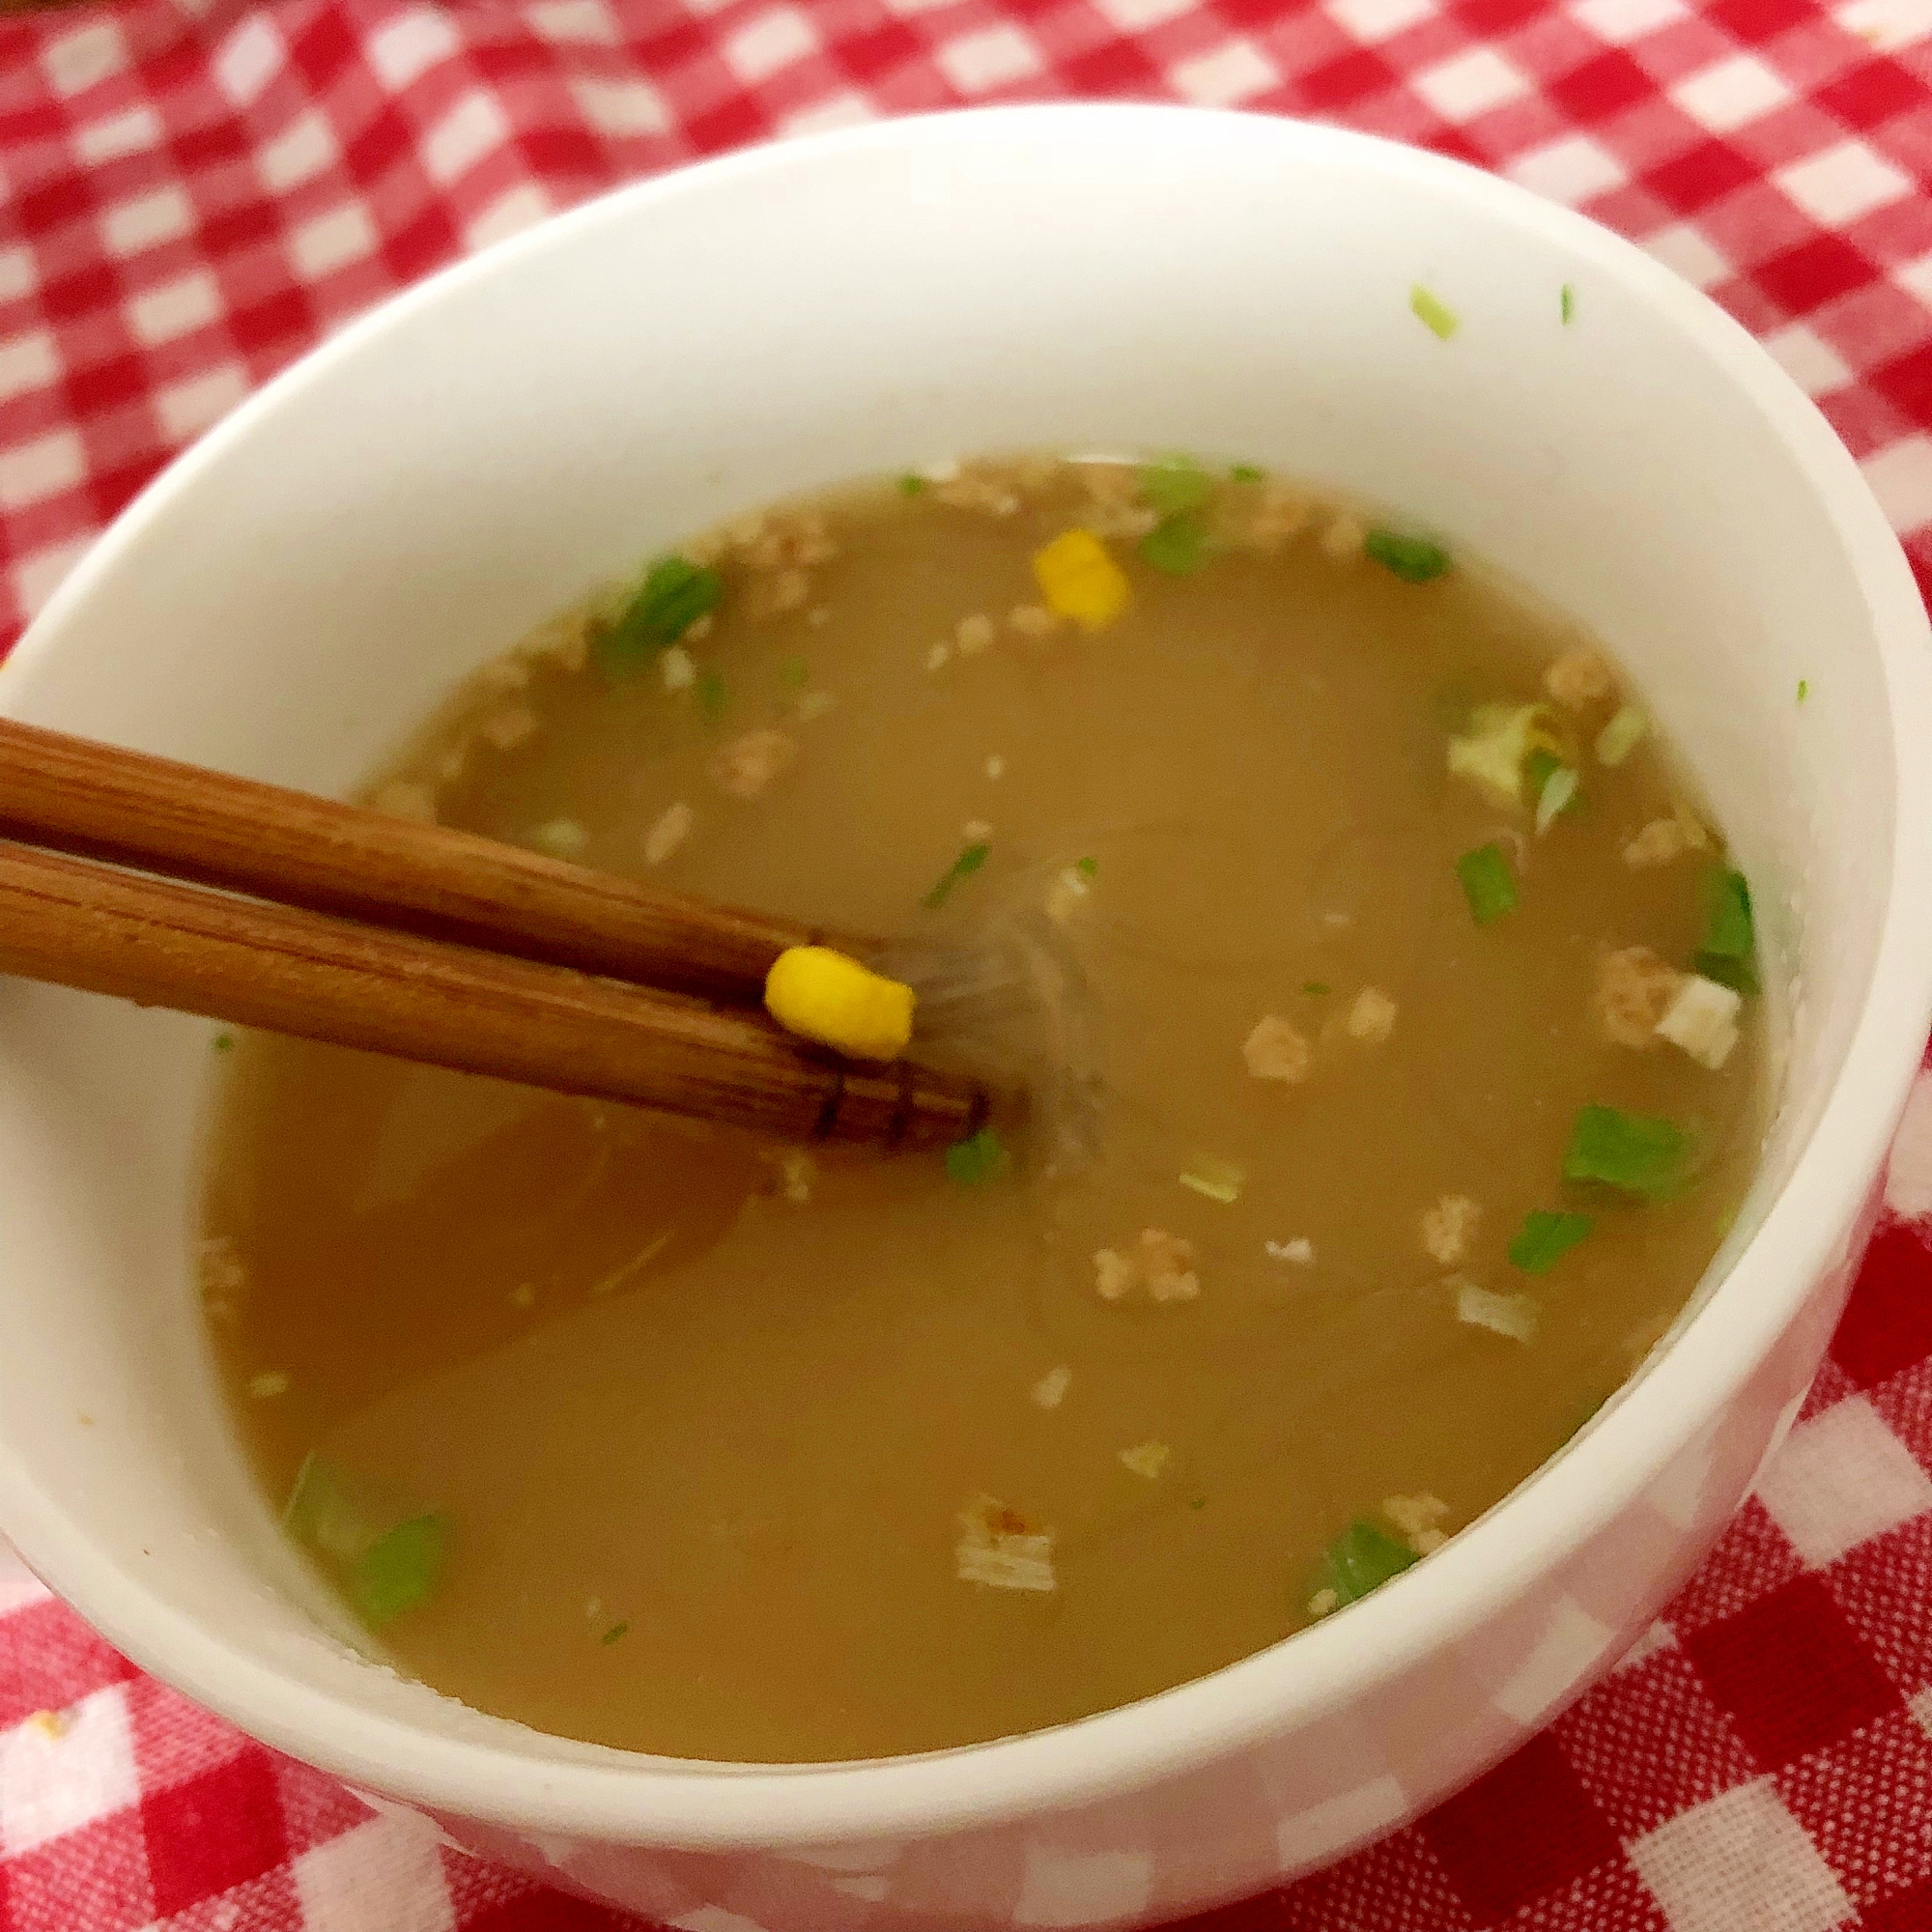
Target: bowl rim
621, 1797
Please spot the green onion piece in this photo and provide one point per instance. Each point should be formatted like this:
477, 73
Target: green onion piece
712, 696
1177, 544
979, 1158
1545, 1238
1729, 952
1433, 312
1361, 1559
1197, 1503
1739, 975
333, 1512
1487, 883
1538, 769
1569, 304
964, 866
912, 484
611, 1634
1638, 1153
1317, 988
224, 1043
1174, 485
1803, 689
399, 1572
1556, 794
1087, 867
1248, 473
1621, 737
673, 595
793, 673
1217, 1178
1414, 559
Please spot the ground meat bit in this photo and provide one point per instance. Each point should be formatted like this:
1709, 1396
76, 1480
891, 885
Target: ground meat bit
1449, 1227
671, 828
796, 540
415, 803
1276, 1049
1372, 1016
564, 642
1115, 508
1419, 1517
1663, 841
1659, 842
991, 489
746, 766
1343, 538
1635, 989
1050, 1391
700, 628
1325, 1603
1579, 679
1034, 621
507, 729
797, 1171
1278, 514
1160, 1262
775, 594
506, 673
973, 634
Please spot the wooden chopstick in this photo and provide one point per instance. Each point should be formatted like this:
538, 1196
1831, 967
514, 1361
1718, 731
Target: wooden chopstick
293, 969
97, 800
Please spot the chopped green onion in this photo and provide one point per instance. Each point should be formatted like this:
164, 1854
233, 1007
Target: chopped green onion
1545, 1238
1557, 794
1174, 485
912, 484
1087, 867
1218, 1179
793, 674
1621, 737
399, 1571
331, 1511
1414, 559
1739, 975
712, 696
1316, 988
1361, 1559
675, 595
1487, 883
1177, 544
1569, 304
1729, 952
224, 1043
1248, 473
1197, 1503
1492, 752
964, 866
978, 1158
1433, 312
611, 1634
1803, 689
1638, 1153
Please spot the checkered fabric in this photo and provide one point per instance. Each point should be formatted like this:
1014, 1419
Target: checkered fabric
196, 191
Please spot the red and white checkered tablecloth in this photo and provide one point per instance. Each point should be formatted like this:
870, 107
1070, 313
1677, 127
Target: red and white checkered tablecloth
196, 191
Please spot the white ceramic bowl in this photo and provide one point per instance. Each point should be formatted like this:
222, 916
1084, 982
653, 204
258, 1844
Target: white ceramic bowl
301, 586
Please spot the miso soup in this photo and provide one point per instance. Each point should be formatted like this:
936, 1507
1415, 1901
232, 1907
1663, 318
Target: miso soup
1433, 1071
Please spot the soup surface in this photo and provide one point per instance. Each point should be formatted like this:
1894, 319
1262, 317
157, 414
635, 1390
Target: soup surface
1428, 1097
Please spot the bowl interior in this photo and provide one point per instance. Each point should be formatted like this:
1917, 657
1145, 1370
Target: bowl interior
300, 590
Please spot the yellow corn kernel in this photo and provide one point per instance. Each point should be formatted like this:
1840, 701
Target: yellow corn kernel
1080, 581
823, 995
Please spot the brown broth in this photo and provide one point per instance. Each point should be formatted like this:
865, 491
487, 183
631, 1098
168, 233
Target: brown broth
701, 1448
